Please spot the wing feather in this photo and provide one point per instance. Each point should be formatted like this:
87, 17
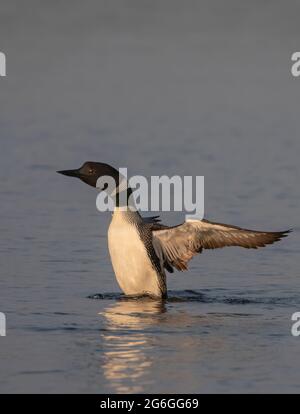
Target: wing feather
177, 245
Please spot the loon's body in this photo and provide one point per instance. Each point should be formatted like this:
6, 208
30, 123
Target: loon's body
135, 264
142, 249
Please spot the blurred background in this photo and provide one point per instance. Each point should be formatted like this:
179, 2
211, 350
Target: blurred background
160, 87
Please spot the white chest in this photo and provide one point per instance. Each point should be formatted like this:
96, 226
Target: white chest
130, 261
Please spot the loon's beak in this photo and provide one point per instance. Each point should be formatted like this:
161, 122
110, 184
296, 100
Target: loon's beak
70, 173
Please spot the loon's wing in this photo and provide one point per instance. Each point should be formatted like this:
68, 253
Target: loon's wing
177, 245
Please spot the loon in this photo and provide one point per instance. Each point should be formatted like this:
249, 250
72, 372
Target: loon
143, 249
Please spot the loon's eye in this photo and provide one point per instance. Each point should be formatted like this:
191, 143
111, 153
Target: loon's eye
91, 171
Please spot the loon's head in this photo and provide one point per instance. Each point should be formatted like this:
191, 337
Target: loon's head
90, 172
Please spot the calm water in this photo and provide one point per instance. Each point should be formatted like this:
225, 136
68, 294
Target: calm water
195, 88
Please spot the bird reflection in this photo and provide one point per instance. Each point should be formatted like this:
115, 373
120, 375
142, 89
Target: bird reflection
128, 342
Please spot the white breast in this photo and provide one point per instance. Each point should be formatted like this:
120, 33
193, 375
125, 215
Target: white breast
130, 261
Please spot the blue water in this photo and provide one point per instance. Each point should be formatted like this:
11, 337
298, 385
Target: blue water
193, 88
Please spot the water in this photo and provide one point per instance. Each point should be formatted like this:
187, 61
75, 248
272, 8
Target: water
200, 88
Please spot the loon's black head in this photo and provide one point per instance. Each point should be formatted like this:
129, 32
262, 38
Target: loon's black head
90, 172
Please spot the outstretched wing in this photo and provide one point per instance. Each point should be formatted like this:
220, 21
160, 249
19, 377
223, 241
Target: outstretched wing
177, 245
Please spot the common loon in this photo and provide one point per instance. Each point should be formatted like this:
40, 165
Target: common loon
142, 249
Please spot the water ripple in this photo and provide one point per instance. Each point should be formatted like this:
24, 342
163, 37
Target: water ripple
207, 297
